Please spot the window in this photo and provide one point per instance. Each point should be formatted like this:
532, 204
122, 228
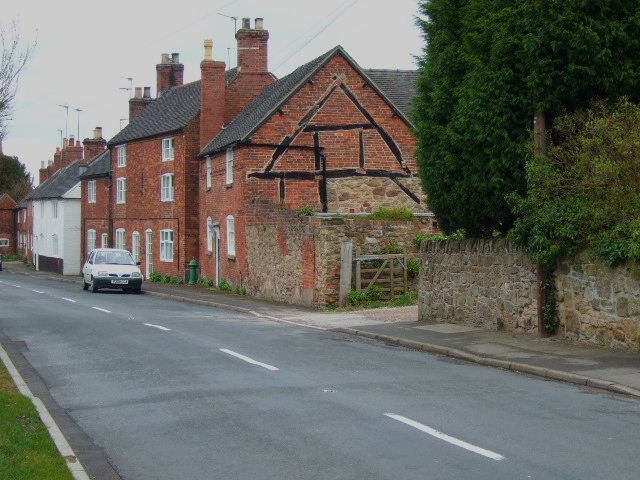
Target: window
209, 172
54, 244
166, 245
91, 240
230, 159
4, 242
54, 209
122, 155
91, 187
135, 246
209, 235
231, 236
166, 194
168, 149
105, 240
121, 190
121, 239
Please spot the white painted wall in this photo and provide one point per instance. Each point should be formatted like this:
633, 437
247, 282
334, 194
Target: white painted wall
66, 226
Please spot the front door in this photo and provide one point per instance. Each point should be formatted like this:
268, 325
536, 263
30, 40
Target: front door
216, 241
149, 254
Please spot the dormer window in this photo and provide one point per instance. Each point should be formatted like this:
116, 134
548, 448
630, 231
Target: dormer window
168, 149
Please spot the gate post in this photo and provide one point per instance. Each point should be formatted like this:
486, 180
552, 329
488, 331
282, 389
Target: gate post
346, 266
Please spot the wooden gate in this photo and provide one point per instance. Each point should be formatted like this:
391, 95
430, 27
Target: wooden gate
386, 271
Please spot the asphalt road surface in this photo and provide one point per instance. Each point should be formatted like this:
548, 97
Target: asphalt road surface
170, 390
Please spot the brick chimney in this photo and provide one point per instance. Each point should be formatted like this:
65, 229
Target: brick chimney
252, 47
43, 172
212, 95
139, 102
93, 146
70, 152
170, 72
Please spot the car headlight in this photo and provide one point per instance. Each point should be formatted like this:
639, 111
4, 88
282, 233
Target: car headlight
103, 274
136, 275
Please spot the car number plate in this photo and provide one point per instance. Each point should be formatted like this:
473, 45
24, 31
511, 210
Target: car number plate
119, 282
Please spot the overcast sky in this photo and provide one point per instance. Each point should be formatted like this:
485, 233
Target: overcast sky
86, 47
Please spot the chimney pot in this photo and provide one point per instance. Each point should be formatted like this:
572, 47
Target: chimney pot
138, 92
65, 142
57, 149
42, 164
72, 140
175, 58
97, 133
246, 23
50, 162
208, 49
259, 23
147, 92
165, 59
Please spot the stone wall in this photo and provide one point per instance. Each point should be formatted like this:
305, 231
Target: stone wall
599, 305
482, 283
367, 194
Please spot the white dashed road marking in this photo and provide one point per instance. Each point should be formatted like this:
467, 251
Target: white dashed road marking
37, 291
159, 327
68, 300
101, 309
447, 438
249, 360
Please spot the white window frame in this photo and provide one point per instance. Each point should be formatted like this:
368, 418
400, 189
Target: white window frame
121, 239
231, 236
209, 235
230, 160
122, 155
167, 240
168, 149
167, 192
54, 209
91, 240
104, 240
4, 242
209, 173
136, 248
91, 191
121, 190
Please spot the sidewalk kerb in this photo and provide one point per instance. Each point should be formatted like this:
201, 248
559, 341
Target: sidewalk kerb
61, 443
549, 373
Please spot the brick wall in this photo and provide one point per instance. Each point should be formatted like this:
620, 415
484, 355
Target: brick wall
8, 231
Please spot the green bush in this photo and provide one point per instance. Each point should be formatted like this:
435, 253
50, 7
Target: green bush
585, 193
238, 290
375, 293
155, 277
13, 258
392, 213
422, 237
357, 298
413, 267
205, 282
225, 286
307, 211
392, 248
171, 280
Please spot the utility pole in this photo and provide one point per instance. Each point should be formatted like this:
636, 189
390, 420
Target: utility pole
78, 110
66, 125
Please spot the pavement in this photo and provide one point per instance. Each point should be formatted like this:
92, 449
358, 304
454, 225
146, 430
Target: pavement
552, 358
154, 388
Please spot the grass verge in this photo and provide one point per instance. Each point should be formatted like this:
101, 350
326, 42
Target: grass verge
27, 452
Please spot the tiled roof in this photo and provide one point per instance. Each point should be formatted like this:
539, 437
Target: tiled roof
172, 111
99, 167
57, 185
7, 203
399, 85
279, 92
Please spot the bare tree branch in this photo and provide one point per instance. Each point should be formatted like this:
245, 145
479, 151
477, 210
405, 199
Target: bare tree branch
14, 55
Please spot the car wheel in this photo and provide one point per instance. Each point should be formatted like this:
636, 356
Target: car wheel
85, 285
94, 287
137, 290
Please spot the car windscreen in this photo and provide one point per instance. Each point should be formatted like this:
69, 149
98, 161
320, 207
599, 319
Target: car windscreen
114, 258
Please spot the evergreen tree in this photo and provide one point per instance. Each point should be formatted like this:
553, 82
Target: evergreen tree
487, 67
14, 178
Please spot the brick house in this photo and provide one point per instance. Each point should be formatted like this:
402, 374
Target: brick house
95, 193
330, 136
154, 201
8, 227
24, 225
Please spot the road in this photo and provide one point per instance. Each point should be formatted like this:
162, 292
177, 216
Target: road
170, 390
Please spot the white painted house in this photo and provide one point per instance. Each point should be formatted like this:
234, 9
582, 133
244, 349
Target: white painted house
56, 222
